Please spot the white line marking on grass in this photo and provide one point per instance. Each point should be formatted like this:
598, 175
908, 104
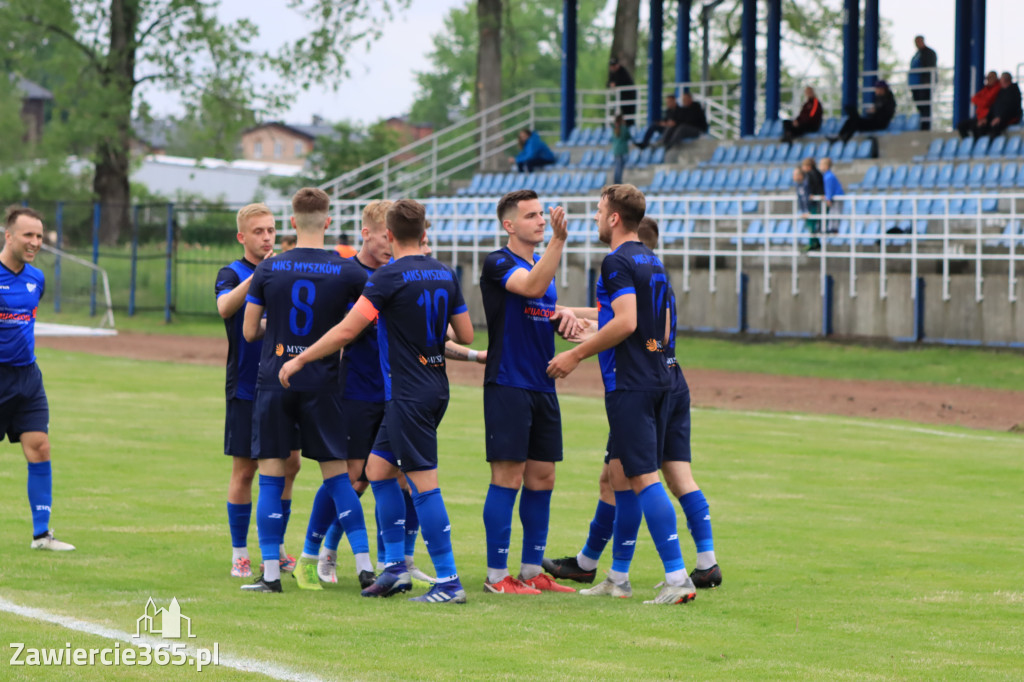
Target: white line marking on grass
867, 421
226, 661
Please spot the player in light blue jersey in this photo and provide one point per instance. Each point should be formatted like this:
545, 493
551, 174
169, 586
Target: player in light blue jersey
24, 411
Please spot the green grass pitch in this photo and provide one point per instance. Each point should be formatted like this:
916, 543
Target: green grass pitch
851, 550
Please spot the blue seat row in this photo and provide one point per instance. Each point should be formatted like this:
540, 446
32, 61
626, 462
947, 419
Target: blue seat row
955, 205
991, 176
783, 152
830, 126
597, 136
955, 148
603, 159
552, 182
687, 181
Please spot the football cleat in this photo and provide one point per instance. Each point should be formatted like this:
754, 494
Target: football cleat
261, 585
545, 583
442, 593
327, 569
51, 543
287, 563
392, 580
708, 577
366, 578
675, 594
567, 568
241, 568
509, 585
419, 576
306, 575
606, 588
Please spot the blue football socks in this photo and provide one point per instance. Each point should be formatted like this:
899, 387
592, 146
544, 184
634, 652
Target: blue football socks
534, 512
661, 522
238, 522
320, 518
601, 528
628, 516
436, 529
390, 518
269, 523
286, 515
40, 496
498, 507
349, 512
333, 536
698, 520
412, 524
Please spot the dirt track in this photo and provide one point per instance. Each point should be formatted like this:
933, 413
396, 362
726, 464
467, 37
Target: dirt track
929, 404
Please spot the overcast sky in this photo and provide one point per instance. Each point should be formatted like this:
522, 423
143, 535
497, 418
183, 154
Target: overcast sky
383, 81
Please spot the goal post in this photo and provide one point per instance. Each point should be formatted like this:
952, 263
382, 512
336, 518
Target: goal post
77, 301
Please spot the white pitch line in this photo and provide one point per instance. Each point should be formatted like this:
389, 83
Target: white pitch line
867, 421
245, 665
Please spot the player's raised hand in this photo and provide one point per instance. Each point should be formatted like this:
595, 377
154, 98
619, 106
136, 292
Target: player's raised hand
562, 364
559, 225
587, 328
288, 370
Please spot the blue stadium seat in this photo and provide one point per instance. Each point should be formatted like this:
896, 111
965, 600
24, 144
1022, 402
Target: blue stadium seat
866, 149
849, 151
745, 180
976, 176
820, 150
730, 154
768, 153
654, 207
870, 234
1008, 178
732, 180
765, 131
913, 122
884, 181
1012, 148
842, 236
980, 150
657, 182
753, 154
570, 141
930, 177
760, 178
719, 179
992, 172
743, 153
1012, 235
835, 150
914, 176
604, 136
875, 207
945, 177
706, 181
692, 182
934, 152
963, 151
773, 179
899, 178
644, 159
989, 205
677, 230
606, 160
896, 125
680, 183
750, 206
585, 159
752, 235
949, 149
893, 205
780, 231
716, 157
960, 175
795, 153
830, 127
996, 146
657, 156
869, 182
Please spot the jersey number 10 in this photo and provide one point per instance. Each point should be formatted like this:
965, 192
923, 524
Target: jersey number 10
435, 311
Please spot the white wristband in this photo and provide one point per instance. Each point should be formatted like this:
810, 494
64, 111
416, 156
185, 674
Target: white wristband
471, 355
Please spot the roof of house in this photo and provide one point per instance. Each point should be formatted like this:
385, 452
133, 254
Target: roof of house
309, 131
31, 90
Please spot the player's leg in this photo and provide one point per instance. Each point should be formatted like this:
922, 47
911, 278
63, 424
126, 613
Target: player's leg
238, 446
383, 474
583, 567
412, 532
507, 422
273, 423
291, 470
625, 530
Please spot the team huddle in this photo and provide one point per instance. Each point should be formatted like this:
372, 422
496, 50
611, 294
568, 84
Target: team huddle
369, 415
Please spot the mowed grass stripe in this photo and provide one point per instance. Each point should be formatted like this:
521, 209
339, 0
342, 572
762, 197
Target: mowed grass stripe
849, 551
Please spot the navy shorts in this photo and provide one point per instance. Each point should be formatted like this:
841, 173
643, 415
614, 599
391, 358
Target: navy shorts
238, 429
408, 435
522, 424
23, 406
361, 421
677, 431
316, 414
636, 429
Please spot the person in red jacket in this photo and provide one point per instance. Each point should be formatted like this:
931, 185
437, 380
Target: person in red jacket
982, 101
808, 121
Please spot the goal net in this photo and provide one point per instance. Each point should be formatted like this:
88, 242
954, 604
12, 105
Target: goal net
77, 301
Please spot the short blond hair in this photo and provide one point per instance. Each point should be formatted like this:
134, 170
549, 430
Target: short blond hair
310, 207
251, 211
375, 213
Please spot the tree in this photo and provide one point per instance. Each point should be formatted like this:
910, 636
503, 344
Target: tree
488, 69
128, 46
624, 35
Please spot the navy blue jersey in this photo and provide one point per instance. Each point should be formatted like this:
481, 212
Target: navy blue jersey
638, 363
304, 292
243, 356
415, 298
361, 362
670, 349
19, 298
521, 339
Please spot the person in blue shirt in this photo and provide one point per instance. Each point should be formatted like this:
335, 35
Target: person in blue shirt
24, 410
304, 292
256, 230
534, 152
414, 300
633, 318
833, 188
521, 415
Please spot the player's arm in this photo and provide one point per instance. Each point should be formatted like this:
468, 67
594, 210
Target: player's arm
583, 313
533, 283
252, 329
454, 351
569, 327
462, 327
232, 301
612, 334
336, 338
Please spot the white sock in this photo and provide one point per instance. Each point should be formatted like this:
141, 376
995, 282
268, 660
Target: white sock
528, 571
239, 553
409, 563
675, 577
618, 577
283, 552
448, 579
330, 554
495, 575
585, 562
706, 560
363, 562
309, 556
271, 570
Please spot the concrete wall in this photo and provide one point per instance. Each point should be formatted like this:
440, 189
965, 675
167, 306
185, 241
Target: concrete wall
993, 321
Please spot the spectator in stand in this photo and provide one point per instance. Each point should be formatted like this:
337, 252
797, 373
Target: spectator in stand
833, 188
620, 147
671, 117
690, 123
619, 77
982, 102
1005, 110
807, 121
534, 152
815, 194
920, 82
878, 114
